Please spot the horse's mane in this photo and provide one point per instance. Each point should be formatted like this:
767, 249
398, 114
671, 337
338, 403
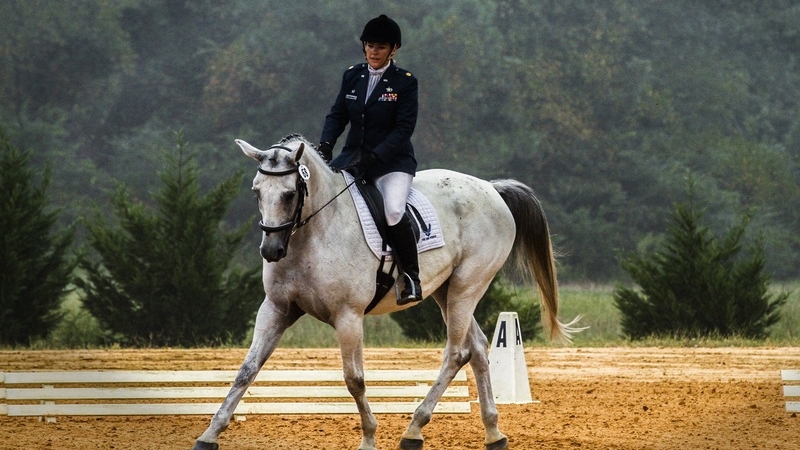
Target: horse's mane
294, 137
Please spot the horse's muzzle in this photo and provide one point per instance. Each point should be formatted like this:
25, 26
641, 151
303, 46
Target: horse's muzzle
273, 247
273, 256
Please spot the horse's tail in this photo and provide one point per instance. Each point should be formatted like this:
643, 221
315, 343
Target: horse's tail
533, 251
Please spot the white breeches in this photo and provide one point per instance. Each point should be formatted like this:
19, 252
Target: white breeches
394, 187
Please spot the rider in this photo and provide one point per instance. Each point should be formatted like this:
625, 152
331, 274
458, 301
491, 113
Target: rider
379, 101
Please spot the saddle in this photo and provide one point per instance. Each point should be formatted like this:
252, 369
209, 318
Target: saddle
374, 200
426, 228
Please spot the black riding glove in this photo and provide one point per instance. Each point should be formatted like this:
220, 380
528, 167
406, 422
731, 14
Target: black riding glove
368, 159
326, 150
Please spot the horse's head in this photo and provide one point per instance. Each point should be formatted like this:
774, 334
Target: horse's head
280, 187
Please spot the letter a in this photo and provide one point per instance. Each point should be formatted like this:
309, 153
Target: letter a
501, 335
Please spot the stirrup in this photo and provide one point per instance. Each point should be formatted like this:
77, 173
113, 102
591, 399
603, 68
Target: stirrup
412, 292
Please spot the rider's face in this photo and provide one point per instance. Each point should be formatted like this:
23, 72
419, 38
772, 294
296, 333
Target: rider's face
378, 53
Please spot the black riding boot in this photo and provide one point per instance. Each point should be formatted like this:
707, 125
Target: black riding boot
404, 245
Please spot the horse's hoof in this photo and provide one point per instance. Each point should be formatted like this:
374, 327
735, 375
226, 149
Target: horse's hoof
200, 445
410, 444
502, 444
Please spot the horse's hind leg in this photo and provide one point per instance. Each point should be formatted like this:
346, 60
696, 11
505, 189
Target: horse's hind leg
350, 333
478, 344
477, 355
269, 327
465, 343
456, 354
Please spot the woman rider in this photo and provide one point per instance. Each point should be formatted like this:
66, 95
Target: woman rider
379, 101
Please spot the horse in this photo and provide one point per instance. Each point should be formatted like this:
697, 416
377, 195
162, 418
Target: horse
325, 275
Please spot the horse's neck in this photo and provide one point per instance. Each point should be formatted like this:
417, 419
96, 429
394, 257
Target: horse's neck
327, 187
327, 181
332, 222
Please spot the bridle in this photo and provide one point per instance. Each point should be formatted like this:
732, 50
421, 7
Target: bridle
302, 192
296, 222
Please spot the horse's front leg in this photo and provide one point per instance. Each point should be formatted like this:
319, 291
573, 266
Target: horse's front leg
269, 327
350, 333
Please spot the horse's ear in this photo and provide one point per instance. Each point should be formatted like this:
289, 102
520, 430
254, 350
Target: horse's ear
300, 152
249, 150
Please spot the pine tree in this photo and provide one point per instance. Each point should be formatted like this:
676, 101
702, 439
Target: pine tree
696, 284
166, 277
35, 263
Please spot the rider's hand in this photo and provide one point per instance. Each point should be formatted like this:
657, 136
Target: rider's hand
368, 159
326, 150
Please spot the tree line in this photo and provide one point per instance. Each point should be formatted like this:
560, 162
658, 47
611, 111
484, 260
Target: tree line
604, 108
162, 273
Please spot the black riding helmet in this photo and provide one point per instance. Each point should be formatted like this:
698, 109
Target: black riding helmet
382, 29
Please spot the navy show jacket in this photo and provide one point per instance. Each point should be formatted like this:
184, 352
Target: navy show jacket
383, 125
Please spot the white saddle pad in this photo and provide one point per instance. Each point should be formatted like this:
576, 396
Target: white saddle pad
430, 228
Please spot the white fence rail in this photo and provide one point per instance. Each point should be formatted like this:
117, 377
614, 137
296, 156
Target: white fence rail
93, 393
791, 389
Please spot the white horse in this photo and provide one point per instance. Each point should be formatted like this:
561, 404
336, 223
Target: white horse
329, 273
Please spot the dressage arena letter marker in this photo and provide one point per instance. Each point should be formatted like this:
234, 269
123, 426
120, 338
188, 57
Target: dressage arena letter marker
507, 368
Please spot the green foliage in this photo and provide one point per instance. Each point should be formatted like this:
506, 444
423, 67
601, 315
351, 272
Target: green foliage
788, 328
600, 106
308, 332
698, 285
166, 277
35, 262
595, 305
77, 329
424, 321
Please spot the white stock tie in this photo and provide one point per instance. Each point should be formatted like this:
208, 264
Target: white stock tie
374, 77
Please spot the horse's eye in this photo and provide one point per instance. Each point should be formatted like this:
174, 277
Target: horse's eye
288, 196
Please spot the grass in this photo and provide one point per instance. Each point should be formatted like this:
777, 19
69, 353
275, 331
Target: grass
594, 303
788, 329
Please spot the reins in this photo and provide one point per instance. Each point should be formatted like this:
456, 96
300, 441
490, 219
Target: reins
304, 222
302, 189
